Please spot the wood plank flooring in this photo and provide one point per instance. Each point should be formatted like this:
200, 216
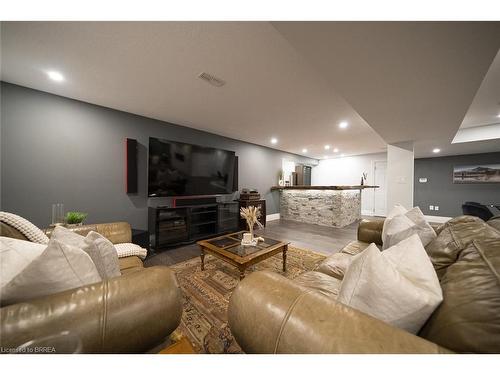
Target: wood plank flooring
318, 238
325, 240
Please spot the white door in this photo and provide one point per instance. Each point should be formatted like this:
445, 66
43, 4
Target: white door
379, 179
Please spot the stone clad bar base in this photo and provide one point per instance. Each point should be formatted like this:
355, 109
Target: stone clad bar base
333, 208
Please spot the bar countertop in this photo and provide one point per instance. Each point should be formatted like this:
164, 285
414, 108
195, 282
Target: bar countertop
335, 187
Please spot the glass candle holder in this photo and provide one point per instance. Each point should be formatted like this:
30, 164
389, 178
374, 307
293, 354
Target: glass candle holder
58, 214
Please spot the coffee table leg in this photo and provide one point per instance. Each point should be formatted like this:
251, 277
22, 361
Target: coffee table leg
242, 273
202, 256
285, 249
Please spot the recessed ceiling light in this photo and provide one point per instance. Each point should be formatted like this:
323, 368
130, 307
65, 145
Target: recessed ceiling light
274, 141
55, 76
343, 125
498, 115
327, 147
304, 150
335, 149
436, 150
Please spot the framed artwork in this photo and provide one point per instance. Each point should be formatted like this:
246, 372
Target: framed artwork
476, 174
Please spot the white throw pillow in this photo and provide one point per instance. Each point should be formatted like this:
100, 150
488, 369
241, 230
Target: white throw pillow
15, 255
416, 215
104, 254
101, 250
58, 268
396, 211
398, 285
400, 227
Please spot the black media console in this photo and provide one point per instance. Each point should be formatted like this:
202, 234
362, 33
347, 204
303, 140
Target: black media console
173, 226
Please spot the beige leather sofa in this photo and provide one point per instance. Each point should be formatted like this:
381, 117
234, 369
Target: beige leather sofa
271, 314
128, 314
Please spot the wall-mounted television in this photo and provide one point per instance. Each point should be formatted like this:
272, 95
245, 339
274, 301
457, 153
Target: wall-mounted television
183, 169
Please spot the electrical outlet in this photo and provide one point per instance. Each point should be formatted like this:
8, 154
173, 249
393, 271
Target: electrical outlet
436, 208
431, 208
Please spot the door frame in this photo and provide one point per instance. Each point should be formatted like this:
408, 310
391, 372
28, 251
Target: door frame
374, 166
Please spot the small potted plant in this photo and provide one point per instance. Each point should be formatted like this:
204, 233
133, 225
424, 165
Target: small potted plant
75, 218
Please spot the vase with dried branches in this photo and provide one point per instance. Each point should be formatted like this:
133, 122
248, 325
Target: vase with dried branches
251, 214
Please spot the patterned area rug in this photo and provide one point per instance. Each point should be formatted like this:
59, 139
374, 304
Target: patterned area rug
206, 295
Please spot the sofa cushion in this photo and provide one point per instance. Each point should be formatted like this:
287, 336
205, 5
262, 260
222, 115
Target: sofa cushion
101, 251
398, 285
468, 320
335, 265
327, 285
58, 268
130, 264
354, 247
454, 236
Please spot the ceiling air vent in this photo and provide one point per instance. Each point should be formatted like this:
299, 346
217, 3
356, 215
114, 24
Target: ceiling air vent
213, 80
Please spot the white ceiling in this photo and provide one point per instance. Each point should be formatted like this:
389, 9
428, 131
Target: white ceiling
291, 80
485, 108
482, 121
411, 81
151, 69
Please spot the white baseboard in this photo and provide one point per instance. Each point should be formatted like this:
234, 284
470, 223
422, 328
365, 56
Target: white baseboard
437, 219
272, 217
432, 219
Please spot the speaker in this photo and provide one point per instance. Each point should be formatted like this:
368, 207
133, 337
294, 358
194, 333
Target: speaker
235, 178
131, 183
193, 201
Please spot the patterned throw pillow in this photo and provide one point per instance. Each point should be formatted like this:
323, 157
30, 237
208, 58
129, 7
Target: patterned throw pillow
30, 230
130, 249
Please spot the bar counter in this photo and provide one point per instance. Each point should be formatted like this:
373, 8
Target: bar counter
334, 206
332, 187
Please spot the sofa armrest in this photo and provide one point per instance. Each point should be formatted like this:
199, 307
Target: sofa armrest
127, 314
371, 231
271, 314
117, 232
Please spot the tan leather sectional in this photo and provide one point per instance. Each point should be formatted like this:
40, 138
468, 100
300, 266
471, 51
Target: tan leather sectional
127, 314
271, 314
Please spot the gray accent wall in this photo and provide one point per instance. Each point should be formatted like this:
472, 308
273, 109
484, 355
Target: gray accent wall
441, 191
58, 150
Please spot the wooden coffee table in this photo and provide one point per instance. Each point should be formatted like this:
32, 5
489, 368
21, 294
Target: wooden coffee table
229, 249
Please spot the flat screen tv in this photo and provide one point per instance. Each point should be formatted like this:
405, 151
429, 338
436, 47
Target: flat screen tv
182, 169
